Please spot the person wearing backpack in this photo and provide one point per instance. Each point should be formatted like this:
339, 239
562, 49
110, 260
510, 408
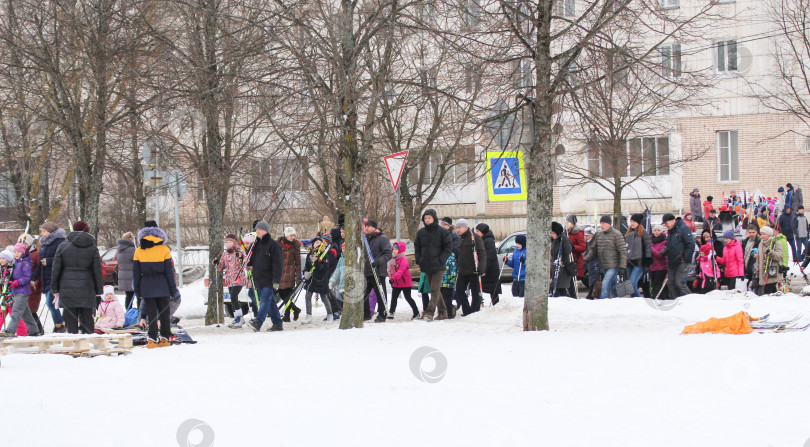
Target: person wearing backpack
568, 266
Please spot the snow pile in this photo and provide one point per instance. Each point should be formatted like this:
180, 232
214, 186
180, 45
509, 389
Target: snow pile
609, 373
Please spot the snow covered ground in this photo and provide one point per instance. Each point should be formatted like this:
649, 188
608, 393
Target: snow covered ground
609, 373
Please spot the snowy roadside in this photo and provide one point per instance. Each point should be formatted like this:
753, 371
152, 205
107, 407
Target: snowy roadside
609, 373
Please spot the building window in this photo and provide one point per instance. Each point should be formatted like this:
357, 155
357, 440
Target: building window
726, 56
523, 73
565, 8
472, 78
462, 169
669, 4
428, 81
671, 61
643, 156
728, 160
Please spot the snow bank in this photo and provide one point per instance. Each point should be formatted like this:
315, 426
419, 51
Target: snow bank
609, 373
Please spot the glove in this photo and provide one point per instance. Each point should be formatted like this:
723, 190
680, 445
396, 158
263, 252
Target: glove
522, 259
307, 275
176, 295
276, 286
14, 284
44, 262
240, 255
506, 258
391, 281
215, 261
622, 272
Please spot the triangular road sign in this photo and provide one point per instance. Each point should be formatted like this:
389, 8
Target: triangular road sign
395, 163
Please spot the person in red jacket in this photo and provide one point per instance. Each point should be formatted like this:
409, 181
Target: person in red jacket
733, 259
577, 238
707, 206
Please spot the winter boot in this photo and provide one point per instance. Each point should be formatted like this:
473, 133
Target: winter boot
380, 317
391, 316
441, 316
286, 317
330, 318
336, 315
276, 327
426, 317
415, 315
307, 319
164, 342
59, 329
296, 312
151, 344
238, 321
254, 324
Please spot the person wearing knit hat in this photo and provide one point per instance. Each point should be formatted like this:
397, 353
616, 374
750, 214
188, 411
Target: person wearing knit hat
517, 261
769, 257
291, 275
267, 263
81, 226
381, 253
557, 228
639, 251
658, 266
680, 248
447, 224
20, 288
150, 224
50, 237
231, 264
732, 258
153, 272
327, 238
561, 251
317, 270
110, 313
447, 221
490, 280
470, 249
609, 247
7, 255
606, 219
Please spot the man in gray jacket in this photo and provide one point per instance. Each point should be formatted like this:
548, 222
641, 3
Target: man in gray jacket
611, 250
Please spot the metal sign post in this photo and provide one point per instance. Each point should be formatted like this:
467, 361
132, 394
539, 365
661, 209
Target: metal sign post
395, 164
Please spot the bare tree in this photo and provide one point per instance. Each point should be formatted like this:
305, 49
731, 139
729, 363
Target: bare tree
629, 87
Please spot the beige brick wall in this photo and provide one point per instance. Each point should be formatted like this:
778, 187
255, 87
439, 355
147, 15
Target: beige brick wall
771, 154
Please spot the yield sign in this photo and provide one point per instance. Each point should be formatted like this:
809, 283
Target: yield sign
395, 164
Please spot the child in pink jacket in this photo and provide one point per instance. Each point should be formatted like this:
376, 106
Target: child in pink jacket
110, 312
732, 259
399, 275
709, 272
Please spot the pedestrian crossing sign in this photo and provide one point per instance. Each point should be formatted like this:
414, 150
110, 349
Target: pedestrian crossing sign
506, 177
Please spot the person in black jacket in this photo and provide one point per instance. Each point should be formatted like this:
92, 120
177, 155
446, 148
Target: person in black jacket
267, 264
381, 252
153, 281
680, 247
447, 224
76, 278
490, 279
50, 237
472, 261
432, 248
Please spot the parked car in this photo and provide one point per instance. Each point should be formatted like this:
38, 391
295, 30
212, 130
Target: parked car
109, 266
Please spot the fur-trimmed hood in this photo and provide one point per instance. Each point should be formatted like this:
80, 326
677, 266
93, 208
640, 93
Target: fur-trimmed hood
151, 236
58, 234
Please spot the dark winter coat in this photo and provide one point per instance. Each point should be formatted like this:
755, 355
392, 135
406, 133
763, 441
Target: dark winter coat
567, 258
466, 261
36, 275
22, 274
320, 268
454, 237
748, 247
610, 248
594, 266
798, 198
786, 224
76, 274
432, 246
381, 251
694, 205
267, 262
152, 266
125, 256
292, 262
47, 251
490, 281
680, 244
577, 238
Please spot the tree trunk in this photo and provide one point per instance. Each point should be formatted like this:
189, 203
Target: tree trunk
617, 202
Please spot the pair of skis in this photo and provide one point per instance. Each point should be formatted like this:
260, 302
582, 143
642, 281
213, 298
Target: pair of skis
764, 324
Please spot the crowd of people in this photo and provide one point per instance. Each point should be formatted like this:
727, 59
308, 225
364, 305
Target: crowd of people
66, 269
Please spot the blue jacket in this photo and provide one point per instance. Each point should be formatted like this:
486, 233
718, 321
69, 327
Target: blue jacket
22, 274
152, 266
518, 268
47, 251
786, 225
680, 244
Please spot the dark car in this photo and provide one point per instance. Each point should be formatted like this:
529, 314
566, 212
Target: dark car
109, 266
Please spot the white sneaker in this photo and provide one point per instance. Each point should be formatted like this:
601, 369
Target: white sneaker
330, 318
237, 323
307, 319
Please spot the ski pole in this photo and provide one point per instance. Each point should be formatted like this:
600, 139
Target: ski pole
663, 284
374, 274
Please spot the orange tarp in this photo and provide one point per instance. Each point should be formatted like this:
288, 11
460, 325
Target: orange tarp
735, 324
